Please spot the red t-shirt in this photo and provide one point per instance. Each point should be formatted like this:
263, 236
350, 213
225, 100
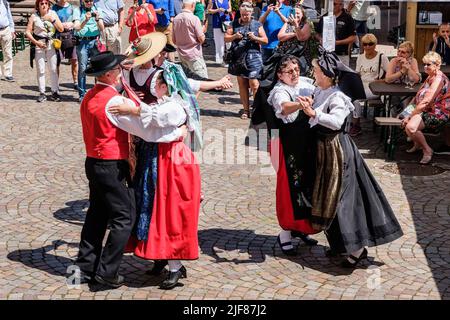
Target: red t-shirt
141, 21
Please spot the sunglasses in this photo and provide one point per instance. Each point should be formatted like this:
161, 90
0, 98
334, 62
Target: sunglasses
43, 2
291, 72
427, 64
88, 1
366, 44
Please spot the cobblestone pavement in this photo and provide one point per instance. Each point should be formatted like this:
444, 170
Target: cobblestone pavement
44, 200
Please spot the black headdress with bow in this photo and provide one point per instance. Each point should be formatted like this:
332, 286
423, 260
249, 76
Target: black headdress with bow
349, 81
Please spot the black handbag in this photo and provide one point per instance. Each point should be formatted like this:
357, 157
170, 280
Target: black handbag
67, 40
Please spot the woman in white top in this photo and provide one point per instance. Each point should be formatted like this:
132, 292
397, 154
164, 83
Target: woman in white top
295, 172
41, 28
348, 203
371, 65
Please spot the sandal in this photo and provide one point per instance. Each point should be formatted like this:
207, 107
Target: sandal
245, 114
426, 159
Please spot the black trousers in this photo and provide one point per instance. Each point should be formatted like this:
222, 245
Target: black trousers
112, 205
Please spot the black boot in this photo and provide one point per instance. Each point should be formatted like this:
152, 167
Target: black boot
172, 280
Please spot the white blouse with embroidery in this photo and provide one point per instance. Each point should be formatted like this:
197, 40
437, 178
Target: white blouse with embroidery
158, 122
332, 106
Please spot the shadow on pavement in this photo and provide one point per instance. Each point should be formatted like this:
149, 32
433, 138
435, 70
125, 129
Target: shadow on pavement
74, 212
218, 113
215, 243
42, 259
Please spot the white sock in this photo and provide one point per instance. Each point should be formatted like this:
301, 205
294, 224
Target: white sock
356, 254
285, 236
174, 265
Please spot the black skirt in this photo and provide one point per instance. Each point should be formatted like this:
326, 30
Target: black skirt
363, 214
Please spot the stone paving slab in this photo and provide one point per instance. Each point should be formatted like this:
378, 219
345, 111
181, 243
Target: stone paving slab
44, 200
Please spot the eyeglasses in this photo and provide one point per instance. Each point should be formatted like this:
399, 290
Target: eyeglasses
368, 44
291, 72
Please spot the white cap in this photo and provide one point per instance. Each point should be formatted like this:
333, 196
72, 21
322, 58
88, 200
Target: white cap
189, 1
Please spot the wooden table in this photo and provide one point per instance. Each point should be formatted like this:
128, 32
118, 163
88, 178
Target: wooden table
389, 90
389, 129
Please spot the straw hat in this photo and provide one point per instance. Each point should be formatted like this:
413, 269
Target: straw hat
145, 48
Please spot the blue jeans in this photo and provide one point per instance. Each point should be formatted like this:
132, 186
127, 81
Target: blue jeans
85, 50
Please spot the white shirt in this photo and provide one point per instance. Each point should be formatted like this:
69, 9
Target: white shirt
158, 122
332, 107
282, 93
368, 68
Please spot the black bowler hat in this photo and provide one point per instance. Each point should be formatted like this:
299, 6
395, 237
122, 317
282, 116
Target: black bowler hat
103, 62
169, 48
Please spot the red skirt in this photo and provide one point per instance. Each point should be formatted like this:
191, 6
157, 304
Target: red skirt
284, 208
173, 231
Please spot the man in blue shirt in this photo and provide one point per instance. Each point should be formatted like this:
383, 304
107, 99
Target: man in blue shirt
113, 20
273, 18
165, 12
177, 7
7, 36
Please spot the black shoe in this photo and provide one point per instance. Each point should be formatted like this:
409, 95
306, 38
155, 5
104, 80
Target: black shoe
348, 264
172, 280
111, 282
158, 267
55, 97
288, 252
305, 238
42, 97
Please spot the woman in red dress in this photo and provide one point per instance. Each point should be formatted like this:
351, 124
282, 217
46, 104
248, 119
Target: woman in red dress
141, 19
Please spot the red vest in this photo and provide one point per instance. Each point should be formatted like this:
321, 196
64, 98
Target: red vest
103, 140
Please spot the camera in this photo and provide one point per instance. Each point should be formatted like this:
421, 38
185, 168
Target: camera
94, 14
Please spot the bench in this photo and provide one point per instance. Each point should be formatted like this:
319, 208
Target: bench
389, 133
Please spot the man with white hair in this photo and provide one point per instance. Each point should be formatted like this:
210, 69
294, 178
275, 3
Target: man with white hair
188, 36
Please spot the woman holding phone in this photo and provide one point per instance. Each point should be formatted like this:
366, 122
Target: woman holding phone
141, 19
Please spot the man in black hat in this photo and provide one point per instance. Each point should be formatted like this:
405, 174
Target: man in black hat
111, 199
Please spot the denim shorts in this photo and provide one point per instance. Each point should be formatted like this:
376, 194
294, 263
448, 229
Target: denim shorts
253, 66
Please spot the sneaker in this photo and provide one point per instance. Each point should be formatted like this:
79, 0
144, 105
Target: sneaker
354, 130
55, 97
42, 97
9, 79
75, 86
80, 99
444, 149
